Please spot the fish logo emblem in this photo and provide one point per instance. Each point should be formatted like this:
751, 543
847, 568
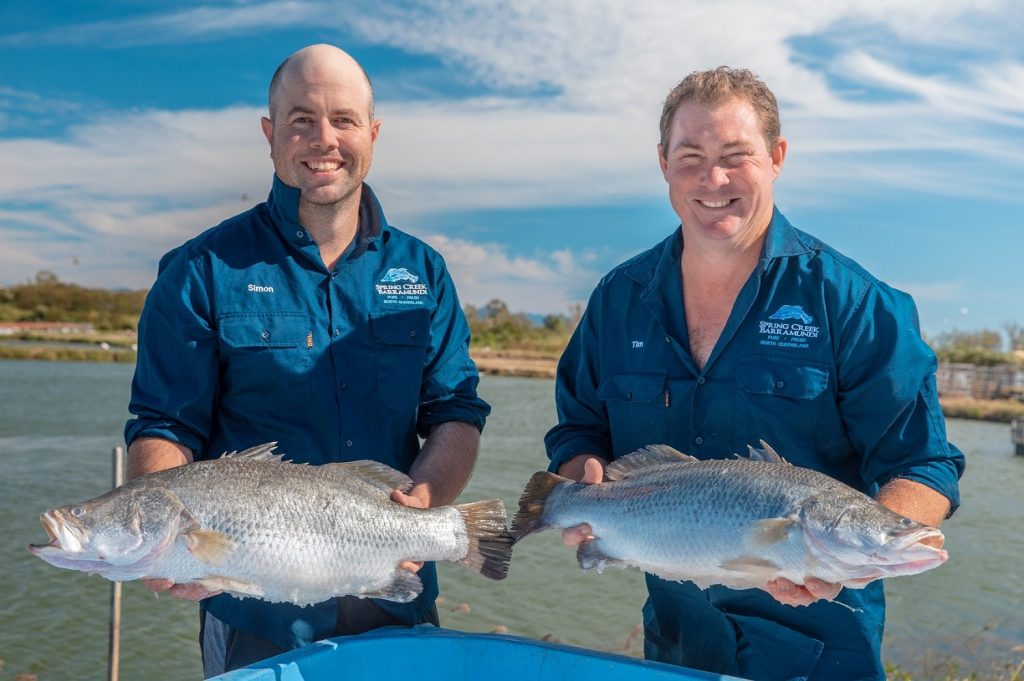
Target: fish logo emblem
396, 274
787, 312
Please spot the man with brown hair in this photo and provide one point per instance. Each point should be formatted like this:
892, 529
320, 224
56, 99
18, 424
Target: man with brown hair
736, 328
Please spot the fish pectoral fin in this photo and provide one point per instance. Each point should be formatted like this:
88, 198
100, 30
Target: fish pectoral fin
209, 546
403, 588
231, 585
760, 569
590, 556
770, 531
651, 455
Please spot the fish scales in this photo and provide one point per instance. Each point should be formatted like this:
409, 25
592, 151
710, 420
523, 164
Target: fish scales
253, 525
739, 523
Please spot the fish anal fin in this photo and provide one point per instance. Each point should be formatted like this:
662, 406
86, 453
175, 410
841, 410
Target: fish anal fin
403, 588
590, 556
380, 474
231, 585
209, 546
760, 570
771, 531
651, 455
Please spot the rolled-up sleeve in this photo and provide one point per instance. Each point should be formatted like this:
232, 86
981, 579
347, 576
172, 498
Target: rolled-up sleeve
176, 372
888, 398
450, 377
582, 422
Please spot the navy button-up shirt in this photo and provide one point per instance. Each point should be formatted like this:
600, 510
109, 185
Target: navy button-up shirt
247, 337
818, 358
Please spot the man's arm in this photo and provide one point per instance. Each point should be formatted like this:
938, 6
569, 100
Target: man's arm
441, 470
152, 454
915, 501
443, 466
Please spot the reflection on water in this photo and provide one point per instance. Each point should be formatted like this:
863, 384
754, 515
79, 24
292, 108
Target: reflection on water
59, 421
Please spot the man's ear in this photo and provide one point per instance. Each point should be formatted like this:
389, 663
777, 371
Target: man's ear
268, 129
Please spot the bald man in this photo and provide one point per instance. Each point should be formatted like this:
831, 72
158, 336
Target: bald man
310, 321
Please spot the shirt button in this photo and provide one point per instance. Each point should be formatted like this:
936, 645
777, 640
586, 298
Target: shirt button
348, 443
698, 440
337, 332
629, 395
780, 384
700, 380
412, 334
667, 339
344, 385
265, 335
300, 234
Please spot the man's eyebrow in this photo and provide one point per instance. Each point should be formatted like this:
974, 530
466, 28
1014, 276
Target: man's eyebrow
305, 110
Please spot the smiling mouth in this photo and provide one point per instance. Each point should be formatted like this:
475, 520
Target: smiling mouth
715, 204
323, 166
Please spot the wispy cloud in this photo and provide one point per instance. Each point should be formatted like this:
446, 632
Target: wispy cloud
568, 115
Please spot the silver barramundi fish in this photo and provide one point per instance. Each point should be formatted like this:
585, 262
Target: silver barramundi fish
738, 523
255, 525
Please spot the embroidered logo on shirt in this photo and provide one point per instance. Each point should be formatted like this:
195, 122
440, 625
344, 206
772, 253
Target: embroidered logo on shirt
256, 288
402, 287
637, 344
787, 312
396, 274
789, 327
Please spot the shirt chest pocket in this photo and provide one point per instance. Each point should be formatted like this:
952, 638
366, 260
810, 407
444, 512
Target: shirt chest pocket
776, 391
636, 408
401, 341
265, 359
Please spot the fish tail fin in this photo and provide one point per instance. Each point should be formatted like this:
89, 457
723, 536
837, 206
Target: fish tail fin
490, 544
530, 517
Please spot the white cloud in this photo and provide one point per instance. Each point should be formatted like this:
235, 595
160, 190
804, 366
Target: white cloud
576, 122
543, 284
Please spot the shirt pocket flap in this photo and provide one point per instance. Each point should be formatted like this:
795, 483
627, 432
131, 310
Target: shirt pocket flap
632, 387
765, 376
278, 330
402, 328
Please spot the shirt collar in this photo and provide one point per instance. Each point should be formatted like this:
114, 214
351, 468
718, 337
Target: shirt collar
283, 203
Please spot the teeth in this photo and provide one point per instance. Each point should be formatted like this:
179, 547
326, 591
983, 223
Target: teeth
323, 165
716, 204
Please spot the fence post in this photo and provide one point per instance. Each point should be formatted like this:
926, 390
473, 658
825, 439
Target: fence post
114, 646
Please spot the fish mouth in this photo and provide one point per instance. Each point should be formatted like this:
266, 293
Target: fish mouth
915, 538
62, 534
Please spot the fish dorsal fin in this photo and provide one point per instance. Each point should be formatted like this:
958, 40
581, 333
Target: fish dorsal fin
264, 452
651, 455
382, 475
765, 454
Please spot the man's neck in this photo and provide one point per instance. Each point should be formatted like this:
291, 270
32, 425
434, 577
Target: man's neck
333, 227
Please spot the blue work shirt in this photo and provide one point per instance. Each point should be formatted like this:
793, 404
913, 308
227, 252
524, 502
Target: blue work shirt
817, 358
246, 337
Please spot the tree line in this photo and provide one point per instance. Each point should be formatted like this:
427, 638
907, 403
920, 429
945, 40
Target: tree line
494, 326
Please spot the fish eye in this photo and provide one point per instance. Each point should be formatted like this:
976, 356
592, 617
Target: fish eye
78, 511
906, 522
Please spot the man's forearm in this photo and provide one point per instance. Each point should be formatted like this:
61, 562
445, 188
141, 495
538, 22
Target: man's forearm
915, 501
446, 462
151, 454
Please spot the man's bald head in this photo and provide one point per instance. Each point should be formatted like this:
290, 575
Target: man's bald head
307, 61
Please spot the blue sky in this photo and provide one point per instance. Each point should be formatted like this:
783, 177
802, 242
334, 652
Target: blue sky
519, 137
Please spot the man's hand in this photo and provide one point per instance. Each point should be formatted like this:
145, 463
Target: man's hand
418, 497
788, 593
589, 470
188, 592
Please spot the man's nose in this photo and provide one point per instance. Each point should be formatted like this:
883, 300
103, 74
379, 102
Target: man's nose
323, 136
715, 176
